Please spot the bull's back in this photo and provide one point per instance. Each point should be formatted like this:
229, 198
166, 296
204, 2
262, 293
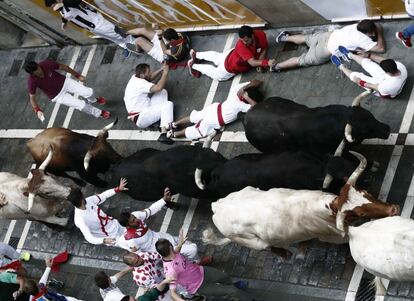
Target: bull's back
67, 146
384, 247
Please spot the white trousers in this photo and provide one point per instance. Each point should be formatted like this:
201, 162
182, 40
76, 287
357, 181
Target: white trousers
159, 108
65, 98
156, 50
206, 122
217, 72
106, 30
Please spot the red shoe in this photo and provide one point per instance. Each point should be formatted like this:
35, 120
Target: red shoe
105, 114
206, 260
406, 41
100, 100
193, 72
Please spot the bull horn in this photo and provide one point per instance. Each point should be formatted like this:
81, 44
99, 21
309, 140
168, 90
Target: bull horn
108, 127
327, 181
357, 100
47, 160
197, 178
348, 133
30, 199
340, 222
338, 153
87, 160
358, 171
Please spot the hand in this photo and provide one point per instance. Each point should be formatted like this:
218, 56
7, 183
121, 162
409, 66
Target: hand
16, 294
159, 32
182, 238
240, 92
167, 195
109, 241
63, 26
155, 26
122, 184
271, 62
49, 262
40, 115
82, 78
355, 79
133, 249
169, 279
165, 67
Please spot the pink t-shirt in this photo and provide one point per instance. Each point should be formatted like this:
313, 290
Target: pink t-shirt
188, 274
52, 82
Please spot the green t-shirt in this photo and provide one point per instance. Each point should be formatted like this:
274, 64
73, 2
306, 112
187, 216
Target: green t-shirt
151, 295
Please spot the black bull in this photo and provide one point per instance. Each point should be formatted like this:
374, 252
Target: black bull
278, 124
149, 171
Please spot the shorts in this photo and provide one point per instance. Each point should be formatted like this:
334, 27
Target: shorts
151, 295
8, 277
156, 50
317, 54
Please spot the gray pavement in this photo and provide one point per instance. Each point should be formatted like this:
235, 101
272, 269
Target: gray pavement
324, 273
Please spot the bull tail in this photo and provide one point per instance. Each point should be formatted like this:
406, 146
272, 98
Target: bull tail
380, 289
209, 237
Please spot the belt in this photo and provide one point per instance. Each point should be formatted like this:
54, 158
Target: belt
220, 115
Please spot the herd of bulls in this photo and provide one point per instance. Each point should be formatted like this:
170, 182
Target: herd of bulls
304, 182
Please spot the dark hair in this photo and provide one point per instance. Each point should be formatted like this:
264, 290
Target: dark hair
49, 3
126, 258
75, 197
366, 26
31, 67
30, 287
140, 69
389, 66
170, 34
255, 94
102, 280
245, 31
163, 247
125, 298
124, 219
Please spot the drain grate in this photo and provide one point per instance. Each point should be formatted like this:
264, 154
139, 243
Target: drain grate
366, 291
14, 241
15, 68
108, 55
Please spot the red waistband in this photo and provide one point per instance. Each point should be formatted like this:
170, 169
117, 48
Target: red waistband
220, 115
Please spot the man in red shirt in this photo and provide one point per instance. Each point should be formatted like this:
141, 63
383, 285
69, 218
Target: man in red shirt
57, 87
250, 51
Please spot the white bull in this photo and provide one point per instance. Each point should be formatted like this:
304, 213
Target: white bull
384, 248
276, 218
40, 198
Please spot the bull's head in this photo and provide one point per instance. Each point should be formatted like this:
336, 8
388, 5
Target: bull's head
362, 124
354, 204
45, 185
101, 151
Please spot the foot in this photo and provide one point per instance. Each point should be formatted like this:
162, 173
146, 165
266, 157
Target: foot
336, 61
241, 284
193, 54
105, 114
170, 134
344, 53
405, 41
171, 126
193, 72
100, 100
281, 37
274, 68
164, 139
206, 260
59, 285
25, 256
126, 53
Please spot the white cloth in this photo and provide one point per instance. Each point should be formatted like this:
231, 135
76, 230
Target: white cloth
156, 50
388, 86
207, 119
217, 72
95, 23
112, 293
95, 224
144, 238
409, 7
66, 98
350, 38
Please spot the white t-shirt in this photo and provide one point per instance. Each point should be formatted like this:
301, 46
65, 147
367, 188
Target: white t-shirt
392, 85
350, 38
136, 96
112, 293
232, 106
82, 16
409, 7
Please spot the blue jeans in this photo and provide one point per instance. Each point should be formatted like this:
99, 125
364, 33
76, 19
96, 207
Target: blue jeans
409, 31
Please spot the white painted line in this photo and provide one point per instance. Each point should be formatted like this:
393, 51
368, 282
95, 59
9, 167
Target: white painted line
408, 115
354, 283
9, 231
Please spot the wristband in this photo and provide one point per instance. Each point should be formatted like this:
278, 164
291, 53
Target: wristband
362, 83
77, 75
265, 63
369, 55
37, 109
242, 98
117, 189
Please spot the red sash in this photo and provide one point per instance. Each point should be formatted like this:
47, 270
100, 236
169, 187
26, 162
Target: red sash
103, 220
133, 116
220, 115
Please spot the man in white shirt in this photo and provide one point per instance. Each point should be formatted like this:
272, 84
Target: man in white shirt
363, 36
387, 77
405, 35
240, 99
88, 18
147, 102
107, 285
96, 226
